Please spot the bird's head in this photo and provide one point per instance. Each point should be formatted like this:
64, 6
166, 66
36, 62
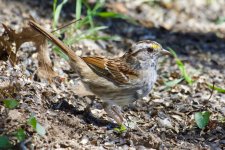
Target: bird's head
147, 49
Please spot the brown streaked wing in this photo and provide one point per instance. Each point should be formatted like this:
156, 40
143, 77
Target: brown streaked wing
95, 61
114, 70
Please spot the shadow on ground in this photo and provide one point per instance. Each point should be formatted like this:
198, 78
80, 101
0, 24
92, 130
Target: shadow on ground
87, 116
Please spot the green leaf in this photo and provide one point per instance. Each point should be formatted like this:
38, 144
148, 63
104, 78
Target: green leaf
173, 82
90, 13
121, 129
218, 89
82, 22
94, 30
110, 15
116, 15
57, 11
60, 53
20, 135
85, 34
220, 20
10, 103
99, 4
181, 67
114, 38
202, 119
32, 121
90, 18
78, 9
4, 142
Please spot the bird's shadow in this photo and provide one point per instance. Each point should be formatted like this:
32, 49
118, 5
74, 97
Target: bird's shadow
86, 114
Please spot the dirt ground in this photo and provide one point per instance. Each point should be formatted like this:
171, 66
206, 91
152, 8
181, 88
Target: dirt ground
166, 116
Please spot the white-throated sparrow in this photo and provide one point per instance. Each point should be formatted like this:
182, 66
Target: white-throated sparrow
119, 81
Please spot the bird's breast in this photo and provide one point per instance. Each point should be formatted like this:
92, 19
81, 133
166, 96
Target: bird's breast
126, 94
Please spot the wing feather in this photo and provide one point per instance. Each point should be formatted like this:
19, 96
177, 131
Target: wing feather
113, 69
96, 61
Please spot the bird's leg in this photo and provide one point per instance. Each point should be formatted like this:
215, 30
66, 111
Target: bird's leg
114, 111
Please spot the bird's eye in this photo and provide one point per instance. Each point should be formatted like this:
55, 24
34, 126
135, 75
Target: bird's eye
149, 49
129, 50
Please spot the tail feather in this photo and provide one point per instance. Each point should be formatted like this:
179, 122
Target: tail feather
75, 61
69, 52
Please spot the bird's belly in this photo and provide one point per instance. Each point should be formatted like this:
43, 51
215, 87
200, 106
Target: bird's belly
140, 93
122, 95
128, 96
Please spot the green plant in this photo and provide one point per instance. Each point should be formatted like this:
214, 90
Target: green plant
221, 119
173, 82
220, 20
181, 66
10, 103
56, 11
218, 89
88, 21
89, 30
202, 119
120, 129
20, 135
32, 121
78, 10
5, 143
116, 15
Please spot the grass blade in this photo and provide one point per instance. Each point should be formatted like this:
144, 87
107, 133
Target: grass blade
60, 53
116, 15
173, 82
181, 67
218, 89
85, 34
57, 11
78, 10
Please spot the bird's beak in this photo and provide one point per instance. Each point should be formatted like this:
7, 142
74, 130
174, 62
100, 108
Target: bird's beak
165, 52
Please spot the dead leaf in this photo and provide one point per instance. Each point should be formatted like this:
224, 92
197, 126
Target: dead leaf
6, 48
10, 42
15, 115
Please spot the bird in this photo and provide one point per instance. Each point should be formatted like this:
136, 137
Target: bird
117, 81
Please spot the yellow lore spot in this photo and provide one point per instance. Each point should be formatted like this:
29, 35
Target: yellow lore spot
155, 46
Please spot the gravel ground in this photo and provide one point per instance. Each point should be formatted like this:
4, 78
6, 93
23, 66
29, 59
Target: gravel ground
165, 117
